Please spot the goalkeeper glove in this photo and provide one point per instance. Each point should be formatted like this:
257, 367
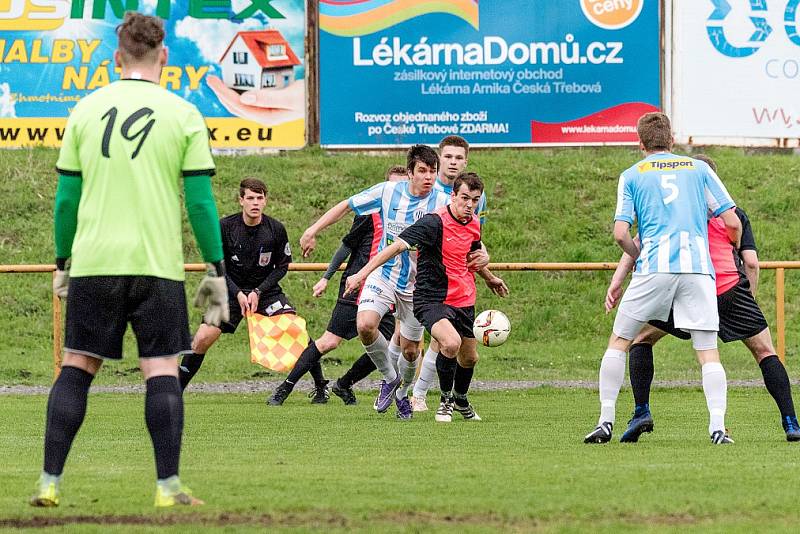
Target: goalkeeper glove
212, 294
61, 278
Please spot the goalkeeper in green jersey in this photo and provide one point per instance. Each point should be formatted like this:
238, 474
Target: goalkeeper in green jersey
126, 150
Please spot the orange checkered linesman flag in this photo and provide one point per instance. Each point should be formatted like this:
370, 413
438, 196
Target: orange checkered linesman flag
276, 342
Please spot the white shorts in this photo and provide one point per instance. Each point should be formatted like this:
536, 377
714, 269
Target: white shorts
692, 297
379, 295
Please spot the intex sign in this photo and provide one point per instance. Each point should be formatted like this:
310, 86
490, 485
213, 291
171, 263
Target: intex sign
27, 15
761, 28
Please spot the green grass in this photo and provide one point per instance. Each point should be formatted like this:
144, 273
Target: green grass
523, 468
545, 205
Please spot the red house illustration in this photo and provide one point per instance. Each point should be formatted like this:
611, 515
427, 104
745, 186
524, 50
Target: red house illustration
258, 60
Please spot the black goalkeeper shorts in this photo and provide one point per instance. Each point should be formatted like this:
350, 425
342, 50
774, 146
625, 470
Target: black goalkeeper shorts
99, 309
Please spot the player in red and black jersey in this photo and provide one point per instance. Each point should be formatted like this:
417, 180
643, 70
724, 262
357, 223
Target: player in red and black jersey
360, 244
444, 297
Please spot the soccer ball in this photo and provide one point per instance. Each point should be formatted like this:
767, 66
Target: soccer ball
492, 328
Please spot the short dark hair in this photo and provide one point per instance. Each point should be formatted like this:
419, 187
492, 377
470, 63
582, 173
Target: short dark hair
470, 179
396, 169
253, 184
655, 131
708, 160
140, 37
423, 154
454, 140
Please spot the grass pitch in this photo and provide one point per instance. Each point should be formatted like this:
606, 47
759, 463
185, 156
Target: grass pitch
524, 468
545, 205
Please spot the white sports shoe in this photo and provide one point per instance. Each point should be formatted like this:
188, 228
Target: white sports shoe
419, 404
445, 412
468, 412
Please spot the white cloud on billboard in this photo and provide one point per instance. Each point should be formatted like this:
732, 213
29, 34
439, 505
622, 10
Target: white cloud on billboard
212, 37
7, 109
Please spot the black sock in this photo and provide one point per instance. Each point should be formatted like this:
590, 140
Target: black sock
360, 369
446, 369
66, 408
307, 361
163, 413
641, 371
777, 382
316, 374
190, 364
461, 383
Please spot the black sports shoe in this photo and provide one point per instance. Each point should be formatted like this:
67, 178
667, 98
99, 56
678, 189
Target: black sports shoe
320, 395
346, 394
720, 437
280, 394
601, 433
638, 425
792, 428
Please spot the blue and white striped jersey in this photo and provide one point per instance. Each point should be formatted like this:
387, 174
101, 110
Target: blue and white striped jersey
398, 209
671, 197
480, 210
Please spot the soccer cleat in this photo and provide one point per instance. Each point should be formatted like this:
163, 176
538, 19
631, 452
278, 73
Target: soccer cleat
47, 494
444, 414
320, 395
601, 433
346, 394
639, 424
404, 411
183, 496
792, 428
280, 394
386, 395
468, 412
721, 437
419, 404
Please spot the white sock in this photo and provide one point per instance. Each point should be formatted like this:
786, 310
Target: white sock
378, 353
394, 354
406, 370
427, 375
715, 386
612, 373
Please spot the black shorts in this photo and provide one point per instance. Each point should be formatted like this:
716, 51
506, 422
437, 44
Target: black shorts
267, 305
343, 322
429, 313
739, 315
100, 307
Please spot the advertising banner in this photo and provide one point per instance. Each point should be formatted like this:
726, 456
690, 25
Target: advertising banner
241, 62
498, 72
736, 69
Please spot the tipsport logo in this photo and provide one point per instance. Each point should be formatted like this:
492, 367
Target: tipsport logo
666, 165
761, 27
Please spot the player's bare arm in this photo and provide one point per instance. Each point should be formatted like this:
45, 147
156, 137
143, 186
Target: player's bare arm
496, 284
622, 236
751, 269
733, 226
354, 282
308, 241
624, 267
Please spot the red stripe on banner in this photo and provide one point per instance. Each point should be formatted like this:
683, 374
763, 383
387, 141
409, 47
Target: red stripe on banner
613, 125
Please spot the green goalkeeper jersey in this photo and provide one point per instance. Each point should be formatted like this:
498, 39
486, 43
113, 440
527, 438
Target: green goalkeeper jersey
131, 142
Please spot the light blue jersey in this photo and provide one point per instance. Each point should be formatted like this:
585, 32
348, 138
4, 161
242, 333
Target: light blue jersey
398, 209
480, 210
671, 197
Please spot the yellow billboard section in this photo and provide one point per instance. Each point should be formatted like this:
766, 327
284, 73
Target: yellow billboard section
224, 132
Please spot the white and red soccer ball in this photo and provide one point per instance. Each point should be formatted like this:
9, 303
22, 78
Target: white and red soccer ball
491, 327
